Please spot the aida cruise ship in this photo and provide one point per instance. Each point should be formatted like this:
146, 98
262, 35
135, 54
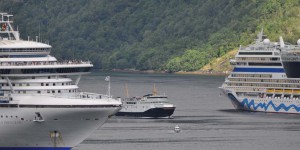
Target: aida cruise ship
258, 81
41, 107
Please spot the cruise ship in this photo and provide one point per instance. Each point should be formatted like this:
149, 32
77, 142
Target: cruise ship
258, 81
148, 106
41, 107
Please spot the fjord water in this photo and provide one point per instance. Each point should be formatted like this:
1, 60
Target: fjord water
206, 117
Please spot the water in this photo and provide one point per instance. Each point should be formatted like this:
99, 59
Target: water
207, 119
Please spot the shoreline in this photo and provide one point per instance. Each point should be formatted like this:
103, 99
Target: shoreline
215, 73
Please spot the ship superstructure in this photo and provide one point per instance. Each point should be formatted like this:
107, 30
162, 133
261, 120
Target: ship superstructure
258, 81
41, 107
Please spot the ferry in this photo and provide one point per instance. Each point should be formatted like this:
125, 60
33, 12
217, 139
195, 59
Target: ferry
259, 81
149, 106
41, 107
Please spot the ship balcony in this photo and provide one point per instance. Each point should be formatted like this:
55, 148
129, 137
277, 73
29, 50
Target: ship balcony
84, 96
44, 68
257, 48
24, 51
38, 64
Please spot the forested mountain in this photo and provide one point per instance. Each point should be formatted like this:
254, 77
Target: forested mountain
168, 35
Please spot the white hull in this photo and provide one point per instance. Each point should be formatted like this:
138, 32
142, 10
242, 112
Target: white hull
274, 105
72, 124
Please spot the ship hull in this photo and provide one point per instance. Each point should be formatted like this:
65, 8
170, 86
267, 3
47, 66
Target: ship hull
271, 105
153, 113
61, 128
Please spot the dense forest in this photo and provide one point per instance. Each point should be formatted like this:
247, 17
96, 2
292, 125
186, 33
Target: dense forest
171, 35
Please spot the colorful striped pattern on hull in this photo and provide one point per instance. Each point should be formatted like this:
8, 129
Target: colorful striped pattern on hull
269, 107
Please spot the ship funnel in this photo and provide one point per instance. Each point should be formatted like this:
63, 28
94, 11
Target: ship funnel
281, 42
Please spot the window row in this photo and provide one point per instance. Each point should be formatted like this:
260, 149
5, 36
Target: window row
264, 80
265, 85
252, 75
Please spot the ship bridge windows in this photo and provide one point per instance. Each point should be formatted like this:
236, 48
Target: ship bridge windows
255, 53
255, 59
241, 63
264, 64
24, 50
26, 56
130, 102
252, 75
45, 70
265, 80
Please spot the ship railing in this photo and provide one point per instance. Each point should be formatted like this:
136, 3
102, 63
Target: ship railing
35, 50
36, 63
256, 48
84, 95
87, 95
295, 48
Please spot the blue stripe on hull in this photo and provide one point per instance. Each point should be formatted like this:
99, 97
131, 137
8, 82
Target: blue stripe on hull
35, 148
274, 70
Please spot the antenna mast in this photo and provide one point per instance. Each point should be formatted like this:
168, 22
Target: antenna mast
126, 91
154, 90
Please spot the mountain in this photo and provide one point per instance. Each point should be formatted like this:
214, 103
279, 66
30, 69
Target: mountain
172, 35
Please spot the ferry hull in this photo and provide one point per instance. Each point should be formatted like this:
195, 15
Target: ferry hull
62, 128
153, 113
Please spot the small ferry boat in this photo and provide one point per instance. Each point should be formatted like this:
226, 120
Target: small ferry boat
150, 105
259, 81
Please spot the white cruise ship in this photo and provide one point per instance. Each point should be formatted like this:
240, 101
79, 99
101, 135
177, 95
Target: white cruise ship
41, 107
258, 81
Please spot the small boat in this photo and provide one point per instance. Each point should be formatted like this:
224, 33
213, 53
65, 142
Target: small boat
177, 129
